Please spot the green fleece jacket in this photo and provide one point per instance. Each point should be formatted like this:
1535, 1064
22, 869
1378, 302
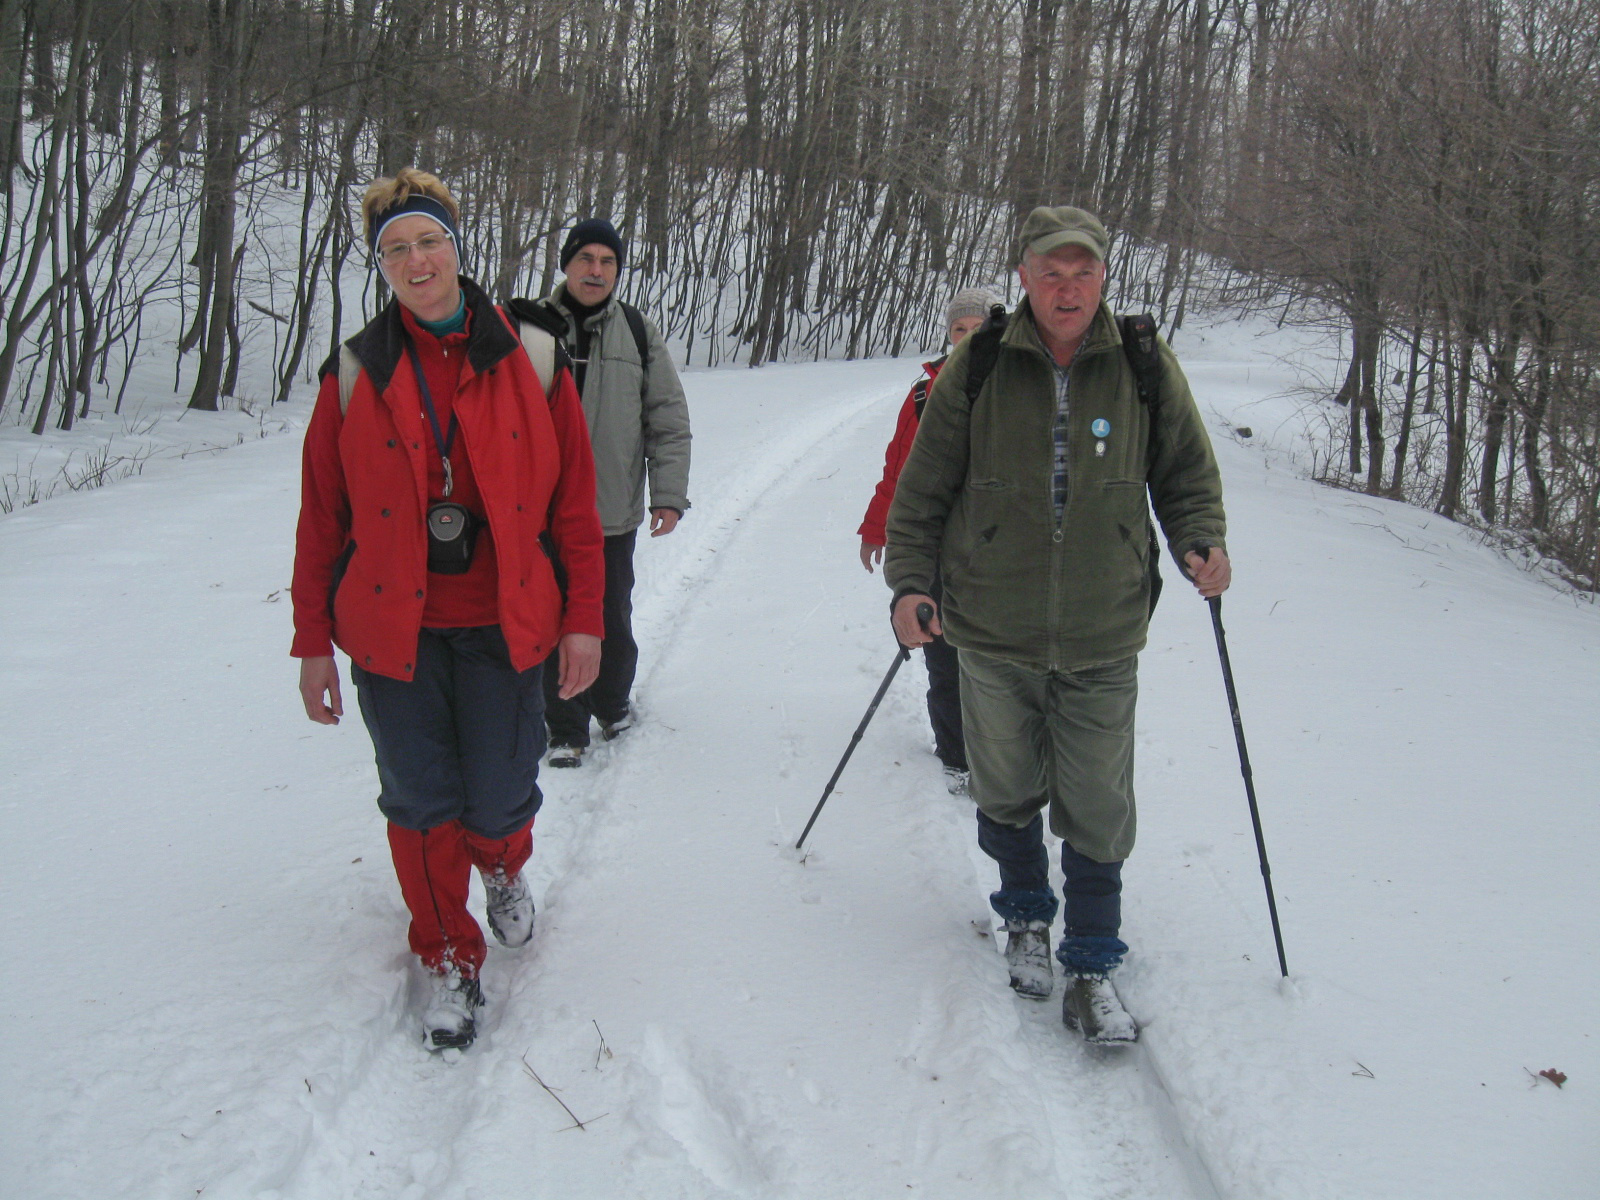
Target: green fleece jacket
974, 500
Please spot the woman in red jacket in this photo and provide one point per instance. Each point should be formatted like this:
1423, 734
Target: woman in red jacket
438, 481
966, 311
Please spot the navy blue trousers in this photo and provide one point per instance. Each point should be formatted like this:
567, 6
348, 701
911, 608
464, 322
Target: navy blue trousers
607, 697
462, 740
944, 702
1092, 890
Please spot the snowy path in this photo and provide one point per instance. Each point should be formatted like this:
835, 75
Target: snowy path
208, 990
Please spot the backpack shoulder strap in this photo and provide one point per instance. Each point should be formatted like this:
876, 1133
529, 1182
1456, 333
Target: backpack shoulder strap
919, 394
641, 339
349, 372
541, 347
1139, 344
985, 349
542, 329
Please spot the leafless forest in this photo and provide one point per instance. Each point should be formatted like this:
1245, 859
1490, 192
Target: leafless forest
807, 178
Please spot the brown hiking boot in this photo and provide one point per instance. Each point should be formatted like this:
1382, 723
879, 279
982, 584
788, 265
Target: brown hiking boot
1092, 1007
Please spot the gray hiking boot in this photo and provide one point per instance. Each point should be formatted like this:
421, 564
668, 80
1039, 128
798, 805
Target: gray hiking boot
450, 1021
566, 756
510, 909
957, 781
1091, 1006
612, 730
1028, 957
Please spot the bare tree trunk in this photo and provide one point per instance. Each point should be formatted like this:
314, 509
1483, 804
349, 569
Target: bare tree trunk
1402, 443
19, 315
226, 30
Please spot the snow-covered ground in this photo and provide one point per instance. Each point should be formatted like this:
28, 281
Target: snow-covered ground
208, 992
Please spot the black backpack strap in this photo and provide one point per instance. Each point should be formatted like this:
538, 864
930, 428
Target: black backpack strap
1139, 344
919, 394
985, 349
641, 339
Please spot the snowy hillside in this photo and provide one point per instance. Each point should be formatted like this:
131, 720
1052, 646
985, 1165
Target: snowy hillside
209, 992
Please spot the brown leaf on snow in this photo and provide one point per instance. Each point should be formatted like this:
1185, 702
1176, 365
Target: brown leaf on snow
1554, 1076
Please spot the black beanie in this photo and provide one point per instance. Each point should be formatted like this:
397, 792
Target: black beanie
586, 233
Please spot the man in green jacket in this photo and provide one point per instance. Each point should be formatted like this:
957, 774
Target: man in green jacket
639, 428
1034, 497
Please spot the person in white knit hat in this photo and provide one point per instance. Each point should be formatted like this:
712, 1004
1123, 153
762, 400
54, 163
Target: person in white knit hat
967, 311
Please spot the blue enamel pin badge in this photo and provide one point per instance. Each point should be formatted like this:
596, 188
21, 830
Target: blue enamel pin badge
1101, 427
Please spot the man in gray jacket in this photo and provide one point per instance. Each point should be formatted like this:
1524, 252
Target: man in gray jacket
639, 427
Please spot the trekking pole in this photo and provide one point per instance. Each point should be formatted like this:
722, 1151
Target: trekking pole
924, 615
1249, 779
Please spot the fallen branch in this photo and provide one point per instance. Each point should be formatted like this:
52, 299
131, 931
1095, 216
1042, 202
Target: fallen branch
576, 1124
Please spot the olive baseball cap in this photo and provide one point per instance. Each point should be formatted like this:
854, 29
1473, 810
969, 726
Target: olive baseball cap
1047, 229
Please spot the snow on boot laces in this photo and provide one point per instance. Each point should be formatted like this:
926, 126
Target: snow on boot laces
1092, 1007
449, 1022
510, 909
1028, 957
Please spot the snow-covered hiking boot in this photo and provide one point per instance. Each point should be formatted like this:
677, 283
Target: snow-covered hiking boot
1028, 958
510, 909
450, 1021
566, 756
612, 730
1092, 1007
957, 781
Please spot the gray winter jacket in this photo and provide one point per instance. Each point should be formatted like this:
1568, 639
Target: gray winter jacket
632, 433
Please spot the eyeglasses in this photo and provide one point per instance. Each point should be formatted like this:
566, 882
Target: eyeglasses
428, 243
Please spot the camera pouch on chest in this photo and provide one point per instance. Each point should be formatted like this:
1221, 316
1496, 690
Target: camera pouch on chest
452, 530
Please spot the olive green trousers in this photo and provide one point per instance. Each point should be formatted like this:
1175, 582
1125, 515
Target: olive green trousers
1037, 737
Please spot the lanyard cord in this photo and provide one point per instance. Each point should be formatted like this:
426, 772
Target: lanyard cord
440, 439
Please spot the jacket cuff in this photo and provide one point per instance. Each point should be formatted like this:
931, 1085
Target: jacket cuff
582, 623
308, 645
905, 591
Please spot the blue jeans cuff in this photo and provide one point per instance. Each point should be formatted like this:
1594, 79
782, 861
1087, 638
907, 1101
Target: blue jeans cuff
1014, 904
1091, 955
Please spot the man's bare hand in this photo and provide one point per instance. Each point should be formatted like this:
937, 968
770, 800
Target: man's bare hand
319, 677
906, 626
1212, 574
580, 663
663, 521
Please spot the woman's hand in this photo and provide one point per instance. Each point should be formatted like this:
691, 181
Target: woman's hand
580, 663
319, 676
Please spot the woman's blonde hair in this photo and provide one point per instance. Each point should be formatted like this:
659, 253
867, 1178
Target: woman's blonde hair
390, 192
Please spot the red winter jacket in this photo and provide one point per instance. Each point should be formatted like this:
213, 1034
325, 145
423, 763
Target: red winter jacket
361, 558
905, 432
